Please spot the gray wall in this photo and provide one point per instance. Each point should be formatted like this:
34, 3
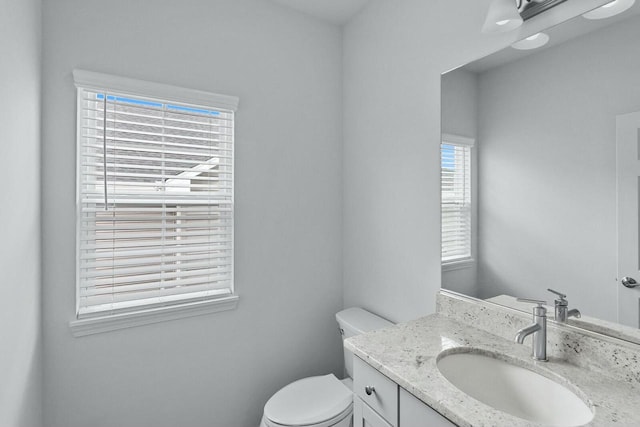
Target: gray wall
394, 53
460, 117
391, 237
459, 103
215, 370
548, 169
20, 310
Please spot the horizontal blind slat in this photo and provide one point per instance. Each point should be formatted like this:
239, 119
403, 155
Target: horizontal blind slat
119, 247
217, 168
161, 199
156, 275
105, 297
184, 235
195, 152
126, 159
186, 268
125, 118
93, 113
183, 260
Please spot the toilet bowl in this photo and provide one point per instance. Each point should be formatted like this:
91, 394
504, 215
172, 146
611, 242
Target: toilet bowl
322, 401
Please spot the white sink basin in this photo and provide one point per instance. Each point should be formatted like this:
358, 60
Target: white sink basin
514, 390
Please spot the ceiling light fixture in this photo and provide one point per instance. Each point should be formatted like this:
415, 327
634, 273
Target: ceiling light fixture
507, 15
503, 16
610, 9
533, 42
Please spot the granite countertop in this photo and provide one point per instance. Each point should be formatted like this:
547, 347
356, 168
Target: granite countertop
407, 353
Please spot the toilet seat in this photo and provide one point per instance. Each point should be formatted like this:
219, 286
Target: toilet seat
343, 419
320, 401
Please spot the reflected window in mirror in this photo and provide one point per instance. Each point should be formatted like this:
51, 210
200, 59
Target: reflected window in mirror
456, 199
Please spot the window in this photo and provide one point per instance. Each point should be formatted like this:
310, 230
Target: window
154, 196
456, 198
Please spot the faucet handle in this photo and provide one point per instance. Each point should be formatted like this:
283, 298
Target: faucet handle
560, 294
540, 310
532, 301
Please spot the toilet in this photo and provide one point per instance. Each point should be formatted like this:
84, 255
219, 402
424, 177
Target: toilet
322, 401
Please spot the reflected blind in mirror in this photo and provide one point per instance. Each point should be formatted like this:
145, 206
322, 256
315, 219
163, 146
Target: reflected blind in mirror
456, 199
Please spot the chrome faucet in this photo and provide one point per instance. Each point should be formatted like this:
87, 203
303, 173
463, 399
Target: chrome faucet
562, 308
538, 330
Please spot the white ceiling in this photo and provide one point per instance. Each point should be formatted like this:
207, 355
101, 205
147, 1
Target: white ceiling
334, 11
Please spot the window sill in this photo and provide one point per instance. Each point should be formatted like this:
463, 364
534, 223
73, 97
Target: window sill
96, 325
458, 264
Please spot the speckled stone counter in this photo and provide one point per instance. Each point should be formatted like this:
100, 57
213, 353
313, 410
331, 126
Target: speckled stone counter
407, 353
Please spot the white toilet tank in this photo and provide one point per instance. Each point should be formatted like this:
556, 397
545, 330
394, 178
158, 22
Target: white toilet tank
355, 321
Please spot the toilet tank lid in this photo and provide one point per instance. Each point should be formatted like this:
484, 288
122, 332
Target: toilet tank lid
361, 320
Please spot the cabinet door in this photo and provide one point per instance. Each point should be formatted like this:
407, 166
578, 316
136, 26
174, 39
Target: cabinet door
415, 413
364, 416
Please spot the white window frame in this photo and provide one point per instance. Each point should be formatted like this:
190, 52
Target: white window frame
463, 261
100, 82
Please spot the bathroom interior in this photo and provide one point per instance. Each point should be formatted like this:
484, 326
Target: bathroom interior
352, 298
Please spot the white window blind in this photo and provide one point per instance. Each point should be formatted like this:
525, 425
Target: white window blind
155, 202
456, 198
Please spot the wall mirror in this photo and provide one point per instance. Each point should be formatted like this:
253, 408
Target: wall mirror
540, 132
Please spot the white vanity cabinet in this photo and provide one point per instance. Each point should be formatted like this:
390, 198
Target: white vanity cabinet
379, 402
414, 413
364, 416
